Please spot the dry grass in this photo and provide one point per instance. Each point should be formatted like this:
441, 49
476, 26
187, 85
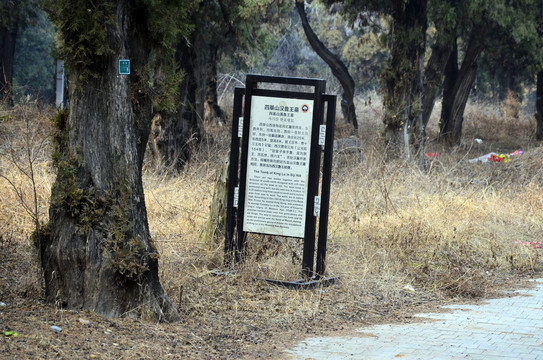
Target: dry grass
398, 238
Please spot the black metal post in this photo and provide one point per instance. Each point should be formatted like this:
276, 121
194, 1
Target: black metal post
232, 177
250, 84
313, 182
326, 181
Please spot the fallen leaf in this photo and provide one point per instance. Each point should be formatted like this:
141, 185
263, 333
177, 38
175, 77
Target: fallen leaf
84, 321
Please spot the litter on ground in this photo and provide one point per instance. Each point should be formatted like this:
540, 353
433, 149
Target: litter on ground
496, 157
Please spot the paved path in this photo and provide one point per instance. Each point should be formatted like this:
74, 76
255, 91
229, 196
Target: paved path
507, 328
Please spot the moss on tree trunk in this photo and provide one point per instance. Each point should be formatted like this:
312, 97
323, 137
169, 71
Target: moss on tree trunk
173, 132
402, 78
100, 255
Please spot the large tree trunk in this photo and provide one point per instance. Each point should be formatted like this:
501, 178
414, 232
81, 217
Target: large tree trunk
100, 255
338, 68
455, 104
539, 106
402, 79
8, 36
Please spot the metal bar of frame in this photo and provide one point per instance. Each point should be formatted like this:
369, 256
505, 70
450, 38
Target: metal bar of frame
326, 182
313, 182
229, 249
241, 236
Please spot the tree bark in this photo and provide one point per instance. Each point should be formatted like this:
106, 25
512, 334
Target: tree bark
100, 255
213, 230
212, 111
338, 68
403, 79
433, 75
173, 133
539, 106
451, 76
8, 36
455, 104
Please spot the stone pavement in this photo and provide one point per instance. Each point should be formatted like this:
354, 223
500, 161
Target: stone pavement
506, 328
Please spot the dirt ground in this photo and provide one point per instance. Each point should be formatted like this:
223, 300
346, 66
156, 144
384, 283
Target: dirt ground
236, 333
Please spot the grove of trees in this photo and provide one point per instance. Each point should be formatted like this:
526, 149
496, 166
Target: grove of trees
96, 251
218, 29
461, 27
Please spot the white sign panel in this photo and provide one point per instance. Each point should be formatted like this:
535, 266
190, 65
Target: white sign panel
278, 166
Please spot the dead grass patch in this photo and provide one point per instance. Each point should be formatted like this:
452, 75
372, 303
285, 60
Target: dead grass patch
398, 238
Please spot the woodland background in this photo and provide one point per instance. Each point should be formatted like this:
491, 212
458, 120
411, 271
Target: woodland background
407, 230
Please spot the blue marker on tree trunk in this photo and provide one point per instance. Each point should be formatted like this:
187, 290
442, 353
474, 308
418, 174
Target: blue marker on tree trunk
124, 67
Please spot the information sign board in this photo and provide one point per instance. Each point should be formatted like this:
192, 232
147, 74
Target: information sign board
278, 166
275, 172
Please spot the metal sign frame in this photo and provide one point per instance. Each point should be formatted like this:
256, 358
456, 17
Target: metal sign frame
235, 236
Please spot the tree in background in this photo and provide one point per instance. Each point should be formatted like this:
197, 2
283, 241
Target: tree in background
338, 68
97, 253
513, 58
505, 67
365, 57
539, 76
461, 31
234, 28
14, 16
176, 128
539, 106
34, 64
243, 30
358, 46
402, 77
483, 24
9, 26
458, 84
444, 14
